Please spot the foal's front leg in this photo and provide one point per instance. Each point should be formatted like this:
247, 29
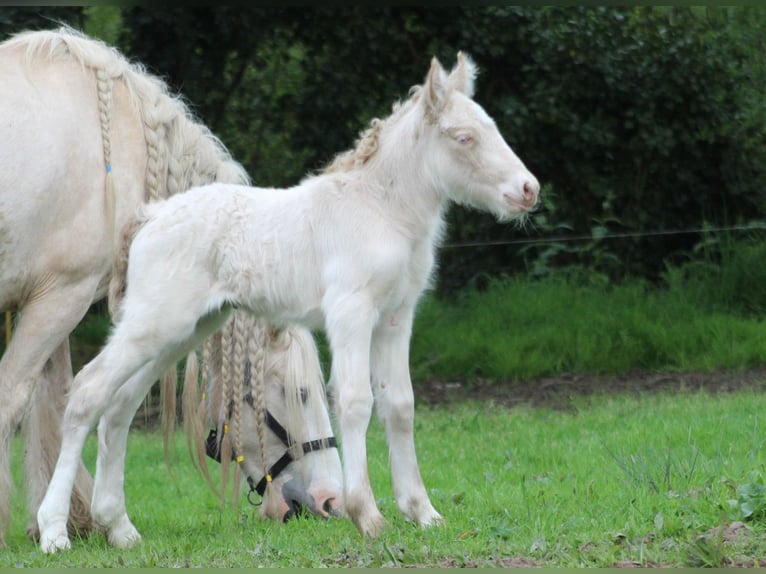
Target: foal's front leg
349, 330
395, 403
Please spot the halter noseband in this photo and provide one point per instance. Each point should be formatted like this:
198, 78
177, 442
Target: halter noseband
213, 450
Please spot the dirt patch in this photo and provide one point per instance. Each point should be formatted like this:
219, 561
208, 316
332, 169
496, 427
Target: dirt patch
558, 391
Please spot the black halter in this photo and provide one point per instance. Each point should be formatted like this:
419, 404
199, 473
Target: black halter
213, 450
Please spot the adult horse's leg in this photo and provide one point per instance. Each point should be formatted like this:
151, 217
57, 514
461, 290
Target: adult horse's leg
109, 509
395, 405
43, 324
42, 431
349, 325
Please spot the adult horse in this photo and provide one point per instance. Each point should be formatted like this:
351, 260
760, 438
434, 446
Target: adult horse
85, 138
349, 250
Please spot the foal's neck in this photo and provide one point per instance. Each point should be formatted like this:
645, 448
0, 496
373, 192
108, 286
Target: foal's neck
399, 173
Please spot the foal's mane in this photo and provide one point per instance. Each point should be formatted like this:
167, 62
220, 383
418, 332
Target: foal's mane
182, 152
367, 144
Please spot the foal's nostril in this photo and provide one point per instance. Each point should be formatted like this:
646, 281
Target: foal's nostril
327, 506
528, 189
530, 192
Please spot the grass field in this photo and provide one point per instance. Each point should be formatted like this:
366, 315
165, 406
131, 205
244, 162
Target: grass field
522, 329
659, 479
614, 480
709, 314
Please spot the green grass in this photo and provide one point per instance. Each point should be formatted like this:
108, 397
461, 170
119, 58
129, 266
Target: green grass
520, 329
613, 479
708, 314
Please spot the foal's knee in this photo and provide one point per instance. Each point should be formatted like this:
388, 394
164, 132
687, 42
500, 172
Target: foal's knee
397, 412
355, 408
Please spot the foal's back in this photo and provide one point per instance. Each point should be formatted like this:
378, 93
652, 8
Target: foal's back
279, 252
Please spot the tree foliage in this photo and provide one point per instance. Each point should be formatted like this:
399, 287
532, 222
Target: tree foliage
633, 118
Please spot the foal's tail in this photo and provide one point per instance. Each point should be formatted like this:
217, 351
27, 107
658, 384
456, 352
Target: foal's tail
119, 281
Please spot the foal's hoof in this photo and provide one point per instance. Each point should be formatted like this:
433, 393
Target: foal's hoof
123, 535
371, 526
432, 518
50, 544
74, 531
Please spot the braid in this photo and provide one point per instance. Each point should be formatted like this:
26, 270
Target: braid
105, 84
257, 352
240, 343
207, 360
238, 373
174, 183
270, 498
225, 377
154, 134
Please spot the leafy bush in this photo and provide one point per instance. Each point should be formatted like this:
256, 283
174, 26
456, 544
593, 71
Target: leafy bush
724, 273
637, 119
633, 118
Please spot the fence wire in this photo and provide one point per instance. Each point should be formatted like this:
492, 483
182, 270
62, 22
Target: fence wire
759, 226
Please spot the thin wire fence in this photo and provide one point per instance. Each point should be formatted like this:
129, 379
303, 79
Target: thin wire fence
753, 226
756, 226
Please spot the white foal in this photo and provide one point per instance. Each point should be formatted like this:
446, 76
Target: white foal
350, 251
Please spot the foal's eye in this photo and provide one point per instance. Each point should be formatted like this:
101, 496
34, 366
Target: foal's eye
464, 139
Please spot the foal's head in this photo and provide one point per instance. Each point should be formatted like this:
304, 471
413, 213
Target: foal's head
468, 158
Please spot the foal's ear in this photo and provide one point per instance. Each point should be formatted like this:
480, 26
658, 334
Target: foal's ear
434, 88
462, 76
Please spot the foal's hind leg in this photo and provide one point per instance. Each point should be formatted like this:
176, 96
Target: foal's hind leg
43, 324
92, 390
109, 509
108, 505
395, 403
42, 431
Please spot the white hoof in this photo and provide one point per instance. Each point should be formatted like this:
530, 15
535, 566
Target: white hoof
123, 534
50, 543
421, 513
431, 518
370, 524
